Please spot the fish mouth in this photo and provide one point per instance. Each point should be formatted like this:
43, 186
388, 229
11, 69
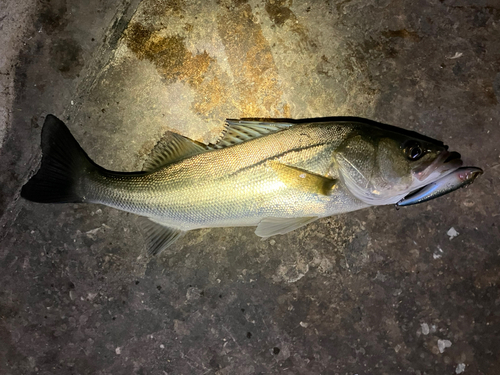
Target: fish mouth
445, 163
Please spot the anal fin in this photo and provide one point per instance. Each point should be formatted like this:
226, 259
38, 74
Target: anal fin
271, 226
158, 236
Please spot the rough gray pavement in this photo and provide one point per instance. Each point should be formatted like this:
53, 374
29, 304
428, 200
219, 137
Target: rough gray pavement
378, 291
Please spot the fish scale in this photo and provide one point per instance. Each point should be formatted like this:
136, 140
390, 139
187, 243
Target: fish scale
224, 184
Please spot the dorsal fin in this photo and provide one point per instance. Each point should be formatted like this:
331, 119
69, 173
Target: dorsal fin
241, 131
175, 148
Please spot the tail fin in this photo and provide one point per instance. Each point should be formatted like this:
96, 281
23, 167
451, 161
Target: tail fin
63, 163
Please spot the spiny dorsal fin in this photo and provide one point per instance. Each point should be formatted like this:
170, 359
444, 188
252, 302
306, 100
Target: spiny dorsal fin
169, 151
301, 179
158, 236
241, 131
271, 226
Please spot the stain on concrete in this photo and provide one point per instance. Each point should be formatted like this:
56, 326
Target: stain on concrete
403, 33
169, 54
175, 63
67, 57
52, 17
279, 12
164, 7
255, 75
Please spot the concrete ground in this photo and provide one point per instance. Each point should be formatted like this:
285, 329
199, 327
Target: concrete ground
378, 291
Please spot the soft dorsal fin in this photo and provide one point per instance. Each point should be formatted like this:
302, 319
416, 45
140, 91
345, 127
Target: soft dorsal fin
169, 151
301, 179
158, 236
270, 226
241, 131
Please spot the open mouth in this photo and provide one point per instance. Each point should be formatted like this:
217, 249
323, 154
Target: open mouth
446, 162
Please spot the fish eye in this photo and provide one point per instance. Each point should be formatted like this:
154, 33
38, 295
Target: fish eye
413, 150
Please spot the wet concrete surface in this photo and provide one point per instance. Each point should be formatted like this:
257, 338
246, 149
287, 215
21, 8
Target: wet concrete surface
378, 291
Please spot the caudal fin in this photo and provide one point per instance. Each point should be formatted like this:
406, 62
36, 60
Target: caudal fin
63, 163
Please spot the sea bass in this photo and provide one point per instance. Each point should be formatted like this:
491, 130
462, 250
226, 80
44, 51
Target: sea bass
272, 175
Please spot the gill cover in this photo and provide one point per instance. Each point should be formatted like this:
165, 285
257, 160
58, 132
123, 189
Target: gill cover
374, 169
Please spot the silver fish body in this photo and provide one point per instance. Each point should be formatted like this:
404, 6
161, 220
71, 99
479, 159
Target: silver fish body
235, 186
276, 176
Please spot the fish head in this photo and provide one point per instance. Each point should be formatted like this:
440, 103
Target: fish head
381, 167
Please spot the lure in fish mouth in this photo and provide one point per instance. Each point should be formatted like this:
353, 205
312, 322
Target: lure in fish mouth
273, 175
461, 177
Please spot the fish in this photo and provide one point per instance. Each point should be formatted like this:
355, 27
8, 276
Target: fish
461, 177
276, 176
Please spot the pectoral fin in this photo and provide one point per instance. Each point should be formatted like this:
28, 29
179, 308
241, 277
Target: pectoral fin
301, 179
271, 226
158, 236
